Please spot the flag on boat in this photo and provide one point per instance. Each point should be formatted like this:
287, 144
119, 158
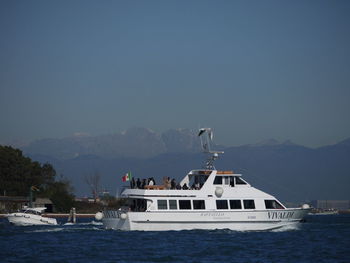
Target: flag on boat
127, 177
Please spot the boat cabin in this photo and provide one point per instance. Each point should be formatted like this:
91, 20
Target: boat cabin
33, 211
224, 178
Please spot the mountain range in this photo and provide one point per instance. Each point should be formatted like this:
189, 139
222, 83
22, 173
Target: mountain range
135, 142
289, 171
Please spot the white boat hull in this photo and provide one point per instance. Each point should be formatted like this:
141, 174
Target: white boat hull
22, 219
208, 220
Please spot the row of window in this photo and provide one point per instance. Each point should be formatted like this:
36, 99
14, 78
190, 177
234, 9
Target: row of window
183, 204
220, 204
235, 204
229, 180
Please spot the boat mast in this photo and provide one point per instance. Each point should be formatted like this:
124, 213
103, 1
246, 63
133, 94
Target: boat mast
206, 137
31, 197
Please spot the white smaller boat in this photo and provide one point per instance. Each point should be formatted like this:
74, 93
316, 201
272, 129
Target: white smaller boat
30, 216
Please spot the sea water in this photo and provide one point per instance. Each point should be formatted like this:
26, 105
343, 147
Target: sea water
323, 238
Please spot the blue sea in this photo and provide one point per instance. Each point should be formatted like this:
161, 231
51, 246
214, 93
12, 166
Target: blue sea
324, 238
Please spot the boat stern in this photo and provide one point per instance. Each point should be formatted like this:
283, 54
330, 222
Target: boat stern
115, 219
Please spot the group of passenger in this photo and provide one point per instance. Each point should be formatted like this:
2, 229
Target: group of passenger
167, 183
171, 184
138, 184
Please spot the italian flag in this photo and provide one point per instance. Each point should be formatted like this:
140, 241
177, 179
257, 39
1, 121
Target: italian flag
127, 177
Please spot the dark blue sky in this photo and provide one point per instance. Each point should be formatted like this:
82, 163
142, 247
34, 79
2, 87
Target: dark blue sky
250, 69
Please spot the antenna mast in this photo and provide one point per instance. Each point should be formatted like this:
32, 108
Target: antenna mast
206, 136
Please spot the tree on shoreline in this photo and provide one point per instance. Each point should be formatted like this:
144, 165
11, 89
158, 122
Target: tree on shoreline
19, 173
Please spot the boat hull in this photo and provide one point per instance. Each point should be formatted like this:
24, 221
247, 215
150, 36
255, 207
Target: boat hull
21, 219
207, 220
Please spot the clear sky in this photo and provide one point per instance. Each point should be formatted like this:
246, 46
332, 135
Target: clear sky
251, 70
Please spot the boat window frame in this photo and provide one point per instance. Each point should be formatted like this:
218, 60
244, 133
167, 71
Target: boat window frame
240, 181
246, 202
274, 204
201, 204
226, 180
217, 181
171, 207
232, 181
218, 207
237, 201
181, 202
138, 204
164, 202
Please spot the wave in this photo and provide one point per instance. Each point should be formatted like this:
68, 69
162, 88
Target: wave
285, 228
56, 229
94, 223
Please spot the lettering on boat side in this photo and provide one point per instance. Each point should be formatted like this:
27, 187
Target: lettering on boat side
280, 215
212, 214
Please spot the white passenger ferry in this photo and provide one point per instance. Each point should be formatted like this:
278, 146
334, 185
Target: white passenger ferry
216, 200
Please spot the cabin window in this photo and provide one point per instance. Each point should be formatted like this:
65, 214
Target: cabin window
138, 205
202, 180
162, 205
249, 204
239, 181
273, 204
232, 181
33, 212
172, 204
221, 204
185, 204
235, 204
218, 180
198, 204
226, 180
196, 182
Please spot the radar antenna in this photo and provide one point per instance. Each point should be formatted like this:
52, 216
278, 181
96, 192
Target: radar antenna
206, 136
